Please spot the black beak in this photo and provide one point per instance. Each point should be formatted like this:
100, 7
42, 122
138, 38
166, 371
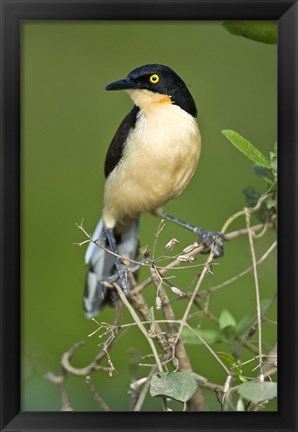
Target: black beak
123, 84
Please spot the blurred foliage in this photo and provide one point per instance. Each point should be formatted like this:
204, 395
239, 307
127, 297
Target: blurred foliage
260, 31
68, 122
264, 167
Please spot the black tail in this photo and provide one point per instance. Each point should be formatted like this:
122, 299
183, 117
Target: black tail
102, 265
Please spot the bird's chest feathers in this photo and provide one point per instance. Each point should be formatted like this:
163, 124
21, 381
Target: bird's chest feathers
159, 159
164, 143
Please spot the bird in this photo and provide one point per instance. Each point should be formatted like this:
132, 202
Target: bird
150, 161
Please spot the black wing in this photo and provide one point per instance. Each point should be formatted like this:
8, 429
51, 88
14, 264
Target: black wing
116, 148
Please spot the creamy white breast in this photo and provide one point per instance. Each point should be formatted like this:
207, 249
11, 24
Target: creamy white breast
159, 159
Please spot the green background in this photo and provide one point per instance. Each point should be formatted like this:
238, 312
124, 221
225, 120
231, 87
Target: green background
68, 121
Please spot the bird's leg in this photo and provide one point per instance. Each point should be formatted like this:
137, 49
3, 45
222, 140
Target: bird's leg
122, 270
212, 239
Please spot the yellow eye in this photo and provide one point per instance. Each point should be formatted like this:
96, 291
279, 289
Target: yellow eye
154, 78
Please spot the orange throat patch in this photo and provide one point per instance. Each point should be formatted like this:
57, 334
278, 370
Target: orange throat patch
165, 99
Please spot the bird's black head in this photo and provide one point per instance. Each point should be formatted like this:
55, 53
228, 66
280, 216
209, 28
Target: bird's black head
159, 79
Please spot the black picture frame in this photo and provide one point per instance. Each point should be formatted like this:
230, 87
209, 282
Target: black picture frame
12, 14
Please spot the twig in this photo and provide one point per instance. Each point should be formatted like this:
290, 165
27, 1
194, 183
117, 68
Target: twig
244, 212
179, 356
208, 385
139, 304
176, 263
208, 347
94, 365
95, 394
214, 319
156, 235
66, 365
231, 219
60, 381
270, 372
142, 395
244, 339
90, 240
245, 272
140, 325
259, 316
194, 294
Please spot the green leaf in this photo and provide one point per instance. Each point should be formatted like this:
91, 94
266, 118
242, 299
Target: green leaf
258, 391
241, 378
236, 366
271, 203
175, 385
273, 160
228, 358
210, 336
240, 405
244, 324
264, 173
265, 304
260, 31
252, 197
226, 319
250, 151
238, 372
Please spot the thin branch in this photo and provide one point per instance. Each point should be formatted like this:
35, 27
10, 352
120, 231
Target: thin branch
174, 265
255, 273
179, 358
95, 394
231, 219
90, 240
194, 294
144, 391
215, 320
210, 386
60, 381
140, 325
245, 272
94, 365
66, 364
156, 235
249, 333
245, 211
208, 347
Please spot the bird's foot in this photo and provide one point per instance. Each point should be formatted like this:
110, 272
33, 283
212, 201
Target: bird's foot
123, 270
121, 275
122, 266
212, 240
